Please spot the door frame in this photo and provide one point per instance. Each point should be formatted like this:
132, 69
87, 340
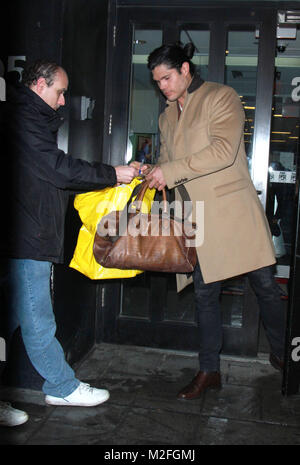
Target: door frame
116, 129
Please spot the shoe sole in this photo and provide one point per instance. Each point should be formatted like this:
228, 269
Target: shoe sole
16, 423
61, 402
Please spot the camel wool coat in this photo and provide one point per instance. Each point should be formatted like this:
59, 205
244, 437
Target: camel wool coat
204, 150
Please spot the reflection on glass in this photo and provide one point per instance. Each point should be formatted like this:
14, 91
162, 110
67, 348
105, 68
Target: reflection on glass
284, 147
241, 73
144, 99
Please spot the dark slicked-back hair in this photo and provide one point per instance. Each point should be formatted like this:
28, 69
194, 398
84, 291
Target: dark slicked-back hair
173, 56
40, 68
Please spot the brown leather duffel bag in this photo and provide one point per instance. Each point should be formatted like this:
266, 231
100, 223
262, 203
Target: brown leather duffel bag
130, 239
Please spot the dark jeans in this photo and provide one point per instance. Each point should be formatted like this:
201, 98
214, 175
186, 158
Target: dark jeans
209, 319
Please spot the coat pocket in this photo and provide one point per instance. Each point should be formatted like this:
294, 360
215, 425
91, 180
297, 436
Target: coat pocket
230, 187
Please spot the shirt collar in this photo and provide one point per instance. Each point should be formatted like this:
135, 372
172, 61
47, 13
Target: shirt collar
197, 81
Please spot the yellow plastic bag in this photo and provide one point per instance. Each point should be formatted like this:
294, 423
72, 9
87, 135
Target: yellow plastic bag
92, 206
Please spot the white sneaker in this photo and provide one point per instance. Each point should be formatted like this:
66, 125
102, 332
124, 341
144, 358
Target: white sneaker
10, 416
83, 396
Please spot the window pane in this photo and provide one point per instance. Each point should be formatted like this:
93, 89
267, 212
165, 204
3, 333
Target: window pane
144, 99
284, 147
241, 73
200, 38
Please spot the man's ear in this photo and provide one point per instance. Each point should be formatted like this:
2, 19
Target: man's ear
40, 85
185, 68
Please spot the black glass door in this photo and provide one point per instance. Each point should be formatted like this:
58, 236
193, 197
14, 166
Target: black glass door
237, 48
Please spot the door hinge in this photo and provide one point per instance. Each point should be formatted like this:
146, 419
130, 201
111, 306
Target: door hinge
114, 35
109, 124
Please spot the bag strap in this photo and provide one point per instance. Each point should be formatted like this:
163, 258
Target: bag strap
183, 193
185, 198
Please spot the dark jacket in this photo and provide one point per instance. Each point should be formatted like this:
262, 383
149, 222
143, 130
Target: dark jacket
37, 179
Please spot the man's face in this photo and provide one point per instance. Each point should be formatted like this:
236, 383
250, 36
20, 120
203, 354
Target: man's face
172, 83
53, 95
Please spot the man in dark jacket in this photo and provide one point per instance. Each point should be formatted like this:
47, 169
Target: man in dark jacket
40, 178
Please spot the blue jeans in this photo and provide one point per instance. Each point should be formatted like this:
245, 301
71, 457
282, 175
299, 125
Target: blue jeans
27, 286
209, 315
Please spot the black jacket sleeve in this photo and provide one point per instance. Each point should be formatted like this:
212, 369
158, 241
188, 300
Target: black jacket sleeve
35, 146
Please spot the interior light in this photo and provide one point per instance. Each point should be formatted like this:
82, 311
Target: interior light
281, 132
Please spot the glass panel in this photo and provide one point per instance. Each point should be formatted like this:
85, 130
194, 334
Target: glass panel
284, 147
200, 39
144, 99
241, 73
142, 144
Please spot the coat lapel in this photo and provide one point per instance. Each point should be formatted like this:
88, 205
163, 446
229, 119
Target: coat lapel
171, 111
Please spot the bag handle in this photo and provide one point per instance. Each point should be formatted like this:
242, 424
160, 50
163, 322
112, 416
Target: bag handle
140, 196
139, 191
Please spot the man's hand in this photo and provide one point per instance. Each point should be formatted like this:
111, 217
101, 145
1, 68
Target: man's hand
141, 168
156, 179
125, 174
136, 165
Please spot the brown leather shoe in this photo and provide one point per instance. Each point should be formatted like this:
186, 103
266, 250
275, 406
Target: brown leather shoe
276, 362
202, 381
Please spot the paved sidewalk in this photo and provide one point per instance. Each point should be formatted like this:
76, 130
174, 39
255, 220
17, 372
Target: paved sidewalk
143, 409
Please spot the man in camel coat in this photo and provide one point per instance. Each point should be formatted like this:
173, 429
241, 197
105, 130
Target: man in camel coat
202, 149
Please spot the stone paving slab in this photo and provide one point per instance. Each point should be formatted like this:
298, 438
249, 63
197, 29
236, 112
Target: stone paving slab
143, 409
